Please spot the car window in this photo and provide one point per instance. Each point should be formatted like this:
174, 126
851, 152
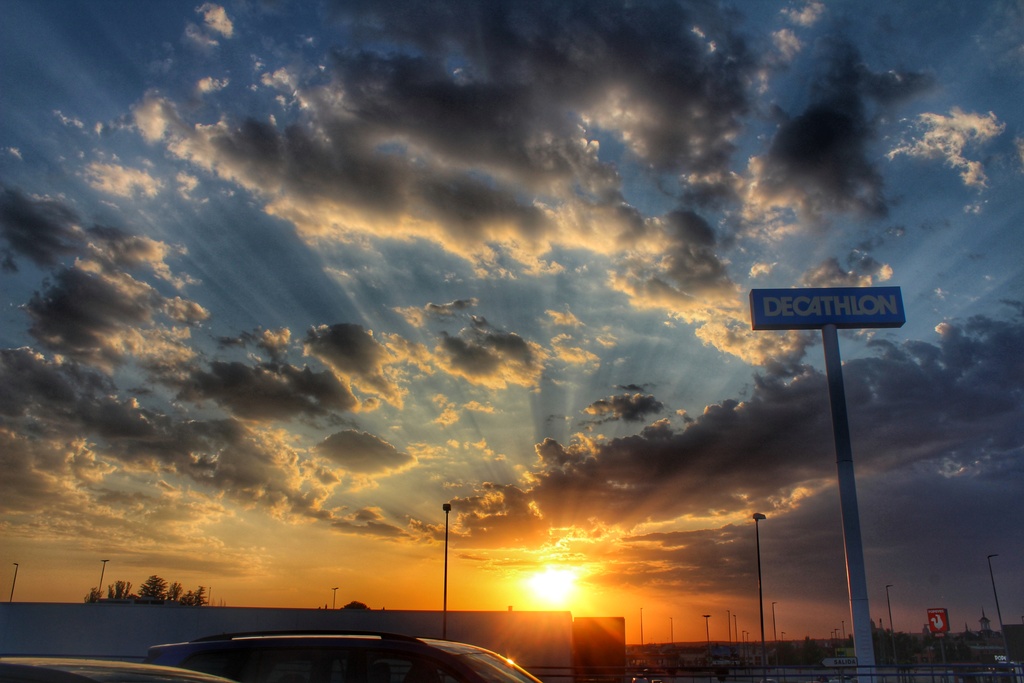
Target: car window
226, 663
391, 667
300, 665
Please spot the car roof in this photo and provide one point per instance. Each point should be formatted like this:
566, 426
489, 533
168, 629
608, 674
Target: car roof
306, 633
82, 670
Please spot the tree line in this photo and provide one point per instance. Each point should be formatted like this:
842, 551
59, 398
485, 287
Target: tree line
155, 589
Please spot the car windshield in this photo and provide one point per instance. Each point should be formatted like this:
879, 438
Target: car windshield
489, 665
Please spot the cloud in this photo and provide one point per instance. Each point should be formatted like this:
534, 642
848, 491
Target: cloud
628, 407
216, 18
947, 137
356, 358
683, 274
97, 313
268, 392
703, 470
363, 453
818, 162
398, 145
484, 356
121, 181
807, 15
40, 229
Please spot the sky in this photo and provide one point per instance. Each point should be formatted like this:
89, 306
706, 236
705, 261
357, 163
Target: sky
280, 279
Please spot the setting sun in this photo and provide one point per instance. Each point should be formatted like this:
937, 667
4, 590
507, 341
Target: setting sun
553, 585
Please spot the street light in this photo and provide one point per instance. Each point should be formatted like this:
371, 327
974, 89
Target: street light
892, 633
760, 599
15, 581
103, 568
707, 634
334, 597
447, 507
1002, 629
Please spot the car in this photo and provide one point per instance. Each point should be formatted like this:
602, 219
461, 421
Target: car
339, 657
83, 670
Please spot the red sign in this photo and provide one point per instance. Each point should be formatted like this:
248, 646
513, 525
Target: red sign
938, 620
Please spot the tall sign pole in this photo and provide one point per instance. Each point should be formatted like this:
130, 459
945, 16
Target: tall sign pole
831, 309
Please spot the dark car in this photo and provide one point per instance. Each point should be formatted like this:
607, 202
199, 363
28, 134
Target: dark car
79, 670
335, 657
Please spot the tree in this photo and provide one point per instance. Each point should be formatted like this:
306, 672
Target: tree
175, 591
120, 590
154, 587
196, 598
355, 604
95, 594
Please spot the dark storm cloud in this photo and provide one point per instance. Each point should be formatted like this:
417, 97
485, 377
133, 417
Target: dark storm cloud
368, 522
819, 160
353, 353
691, 264
271, 391
478, 128
484, 355
62, 409
628, 407
519, 62
92, 316
362, 452
42, 230
914, 405
43, 389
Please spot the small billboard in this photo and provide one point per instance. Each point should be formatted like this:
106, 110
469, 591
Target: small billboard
938, 620
813, 308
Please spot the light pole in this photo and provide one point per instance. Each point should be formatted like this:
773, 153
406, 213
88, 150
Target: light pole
760, 598
892, 633
334, 597
1002, 629
447, 507
14, 582
728, 625
775, 635
671, 630
103, 568
641, 627
707, 634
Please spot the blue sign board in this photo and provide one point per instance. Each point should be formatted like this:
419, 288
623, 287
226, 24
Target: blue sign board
844, 307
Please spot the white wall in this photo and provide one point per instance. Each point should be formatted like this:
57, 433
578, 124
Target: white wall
125, 631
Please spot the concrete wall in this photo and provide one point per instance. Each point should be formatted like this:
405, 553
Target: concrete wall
542, 640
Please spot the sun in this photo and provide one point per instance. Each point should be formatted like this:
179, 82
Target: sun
553, 585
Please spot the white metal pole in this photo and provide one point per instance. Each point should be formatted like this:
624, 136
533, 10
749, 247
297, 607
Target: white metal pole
856, 575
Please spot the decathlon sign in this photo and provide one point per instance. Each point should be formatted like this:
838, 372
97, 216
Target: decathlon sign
844, 307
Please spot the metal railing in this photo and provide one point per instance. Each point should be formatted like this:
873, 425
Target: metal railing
915, 673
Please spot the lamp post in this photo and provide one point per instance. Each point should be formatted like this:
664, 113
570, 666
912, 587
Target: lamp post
334, 597
892, 633
14, 582
641, 627
103, 568
728, 625
447, 507
775, 635
760, 598
707, 634
1002, 629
